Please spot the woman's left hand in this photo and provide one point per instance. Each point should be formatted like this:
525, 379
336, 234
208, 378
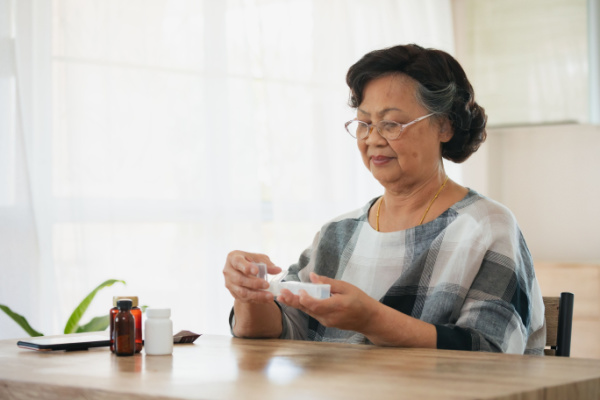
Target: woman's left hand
348, 308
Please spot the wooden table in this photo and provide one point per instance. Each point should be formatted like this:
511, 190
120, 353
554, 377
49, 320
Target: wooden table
220, 367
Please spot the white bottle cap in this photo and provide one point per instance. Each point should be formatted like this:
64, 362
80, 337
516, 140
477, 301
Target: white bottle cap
158, 312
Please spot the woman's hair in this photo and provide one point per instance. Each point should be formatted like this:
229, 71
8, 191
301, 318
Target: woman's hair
442, 88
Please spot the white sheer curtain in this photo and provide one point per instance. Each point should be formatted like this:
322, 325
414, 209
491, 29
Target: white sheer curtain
19, 254
164, 134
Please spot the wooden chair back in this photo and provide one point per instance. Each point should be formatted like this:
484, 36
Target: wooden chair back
559, 322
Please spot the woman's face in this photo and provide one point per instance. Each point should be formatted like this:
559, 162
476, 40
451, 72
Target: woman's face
416, 154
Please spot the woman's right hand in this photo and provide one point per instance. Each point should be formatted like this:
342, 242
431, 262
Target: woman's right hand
240, 277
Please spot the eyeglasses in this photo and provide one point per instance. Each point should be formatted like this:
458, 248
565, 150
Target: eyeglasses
390, 130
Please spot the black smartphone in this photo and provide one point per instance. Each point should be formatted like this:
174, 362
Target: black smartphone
67, 342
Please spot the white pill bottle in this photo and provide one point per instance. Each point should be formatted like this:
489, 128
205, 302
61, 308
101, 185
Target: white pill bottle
158, 332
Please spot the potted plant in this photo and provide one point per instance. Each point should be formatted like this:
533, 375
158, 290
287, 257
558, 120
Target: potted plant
95, 324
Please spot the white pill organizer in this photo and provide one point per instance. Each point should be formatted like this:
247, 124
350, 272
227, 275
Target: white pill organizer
316, 290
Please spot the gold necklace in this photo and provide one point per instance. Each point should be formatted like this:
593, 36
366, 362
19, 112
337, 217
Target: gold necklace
426, 211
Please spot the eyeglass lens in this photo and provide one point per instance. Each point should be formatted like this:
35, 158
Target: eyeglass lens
386, 129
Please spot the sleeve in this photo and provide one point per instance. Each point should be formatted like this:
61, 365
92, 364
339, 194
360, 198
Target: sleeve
503, 308
293, 323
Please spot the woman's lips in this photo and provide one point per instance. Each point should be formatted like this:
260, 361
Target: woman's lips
380, 160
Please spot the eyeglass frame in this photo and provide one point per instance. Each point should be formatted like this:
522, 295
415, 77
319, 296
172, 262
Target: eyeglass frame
371, 126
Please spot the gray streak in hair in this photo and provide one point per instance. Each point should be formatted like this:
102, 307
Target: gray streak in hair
437, 101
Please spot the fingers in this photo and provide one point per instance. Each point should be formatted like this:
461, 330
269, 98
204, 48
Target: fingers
248, 289
303, 301
337, 286
331, 312
245, 262
249, 282
348, 308
240, 277
309, 303
289, 299
251, 296
272, 269
314, 278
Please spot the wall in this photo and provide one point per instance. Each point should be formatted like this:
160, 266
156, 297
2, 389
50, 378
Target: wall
528, 60
549, 176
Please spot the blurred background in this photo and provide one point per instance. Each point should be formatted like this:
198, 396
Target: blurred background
143, 140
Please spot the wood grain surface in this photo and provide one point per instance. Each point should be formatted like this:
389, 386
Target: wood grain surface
220, 367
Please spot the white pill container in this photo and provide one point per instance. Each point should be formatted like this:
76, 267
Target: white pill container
158, 332
316, 290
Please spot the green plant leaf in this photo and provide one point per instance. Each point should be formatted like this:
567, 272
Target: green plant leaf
19, 319
75, 317
96, 324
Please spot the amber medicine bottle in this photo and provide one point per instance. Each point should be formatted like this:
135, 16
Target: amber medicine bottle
137, 314
124, 329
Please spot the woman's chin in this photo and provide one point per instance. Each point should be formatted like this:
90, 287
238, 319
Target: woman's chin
382, 170
383, 178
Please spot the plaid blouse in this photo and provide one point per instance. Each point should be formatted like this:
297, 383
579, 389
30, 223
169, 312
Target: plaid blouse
468, 272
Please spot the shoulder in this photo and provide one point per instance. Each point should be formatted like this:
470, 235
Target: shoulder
481, 207
485, 212
343, 227
489, 223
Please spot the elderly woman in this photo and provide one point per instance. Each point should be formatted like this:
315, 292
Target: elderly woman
428, 264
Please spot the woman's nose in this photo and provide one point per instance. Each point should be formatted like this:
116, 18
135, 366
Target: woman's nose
374, 137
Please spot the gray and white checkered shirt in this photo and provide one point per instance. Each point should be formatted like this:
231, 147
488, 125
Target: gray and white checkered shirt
468, 272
